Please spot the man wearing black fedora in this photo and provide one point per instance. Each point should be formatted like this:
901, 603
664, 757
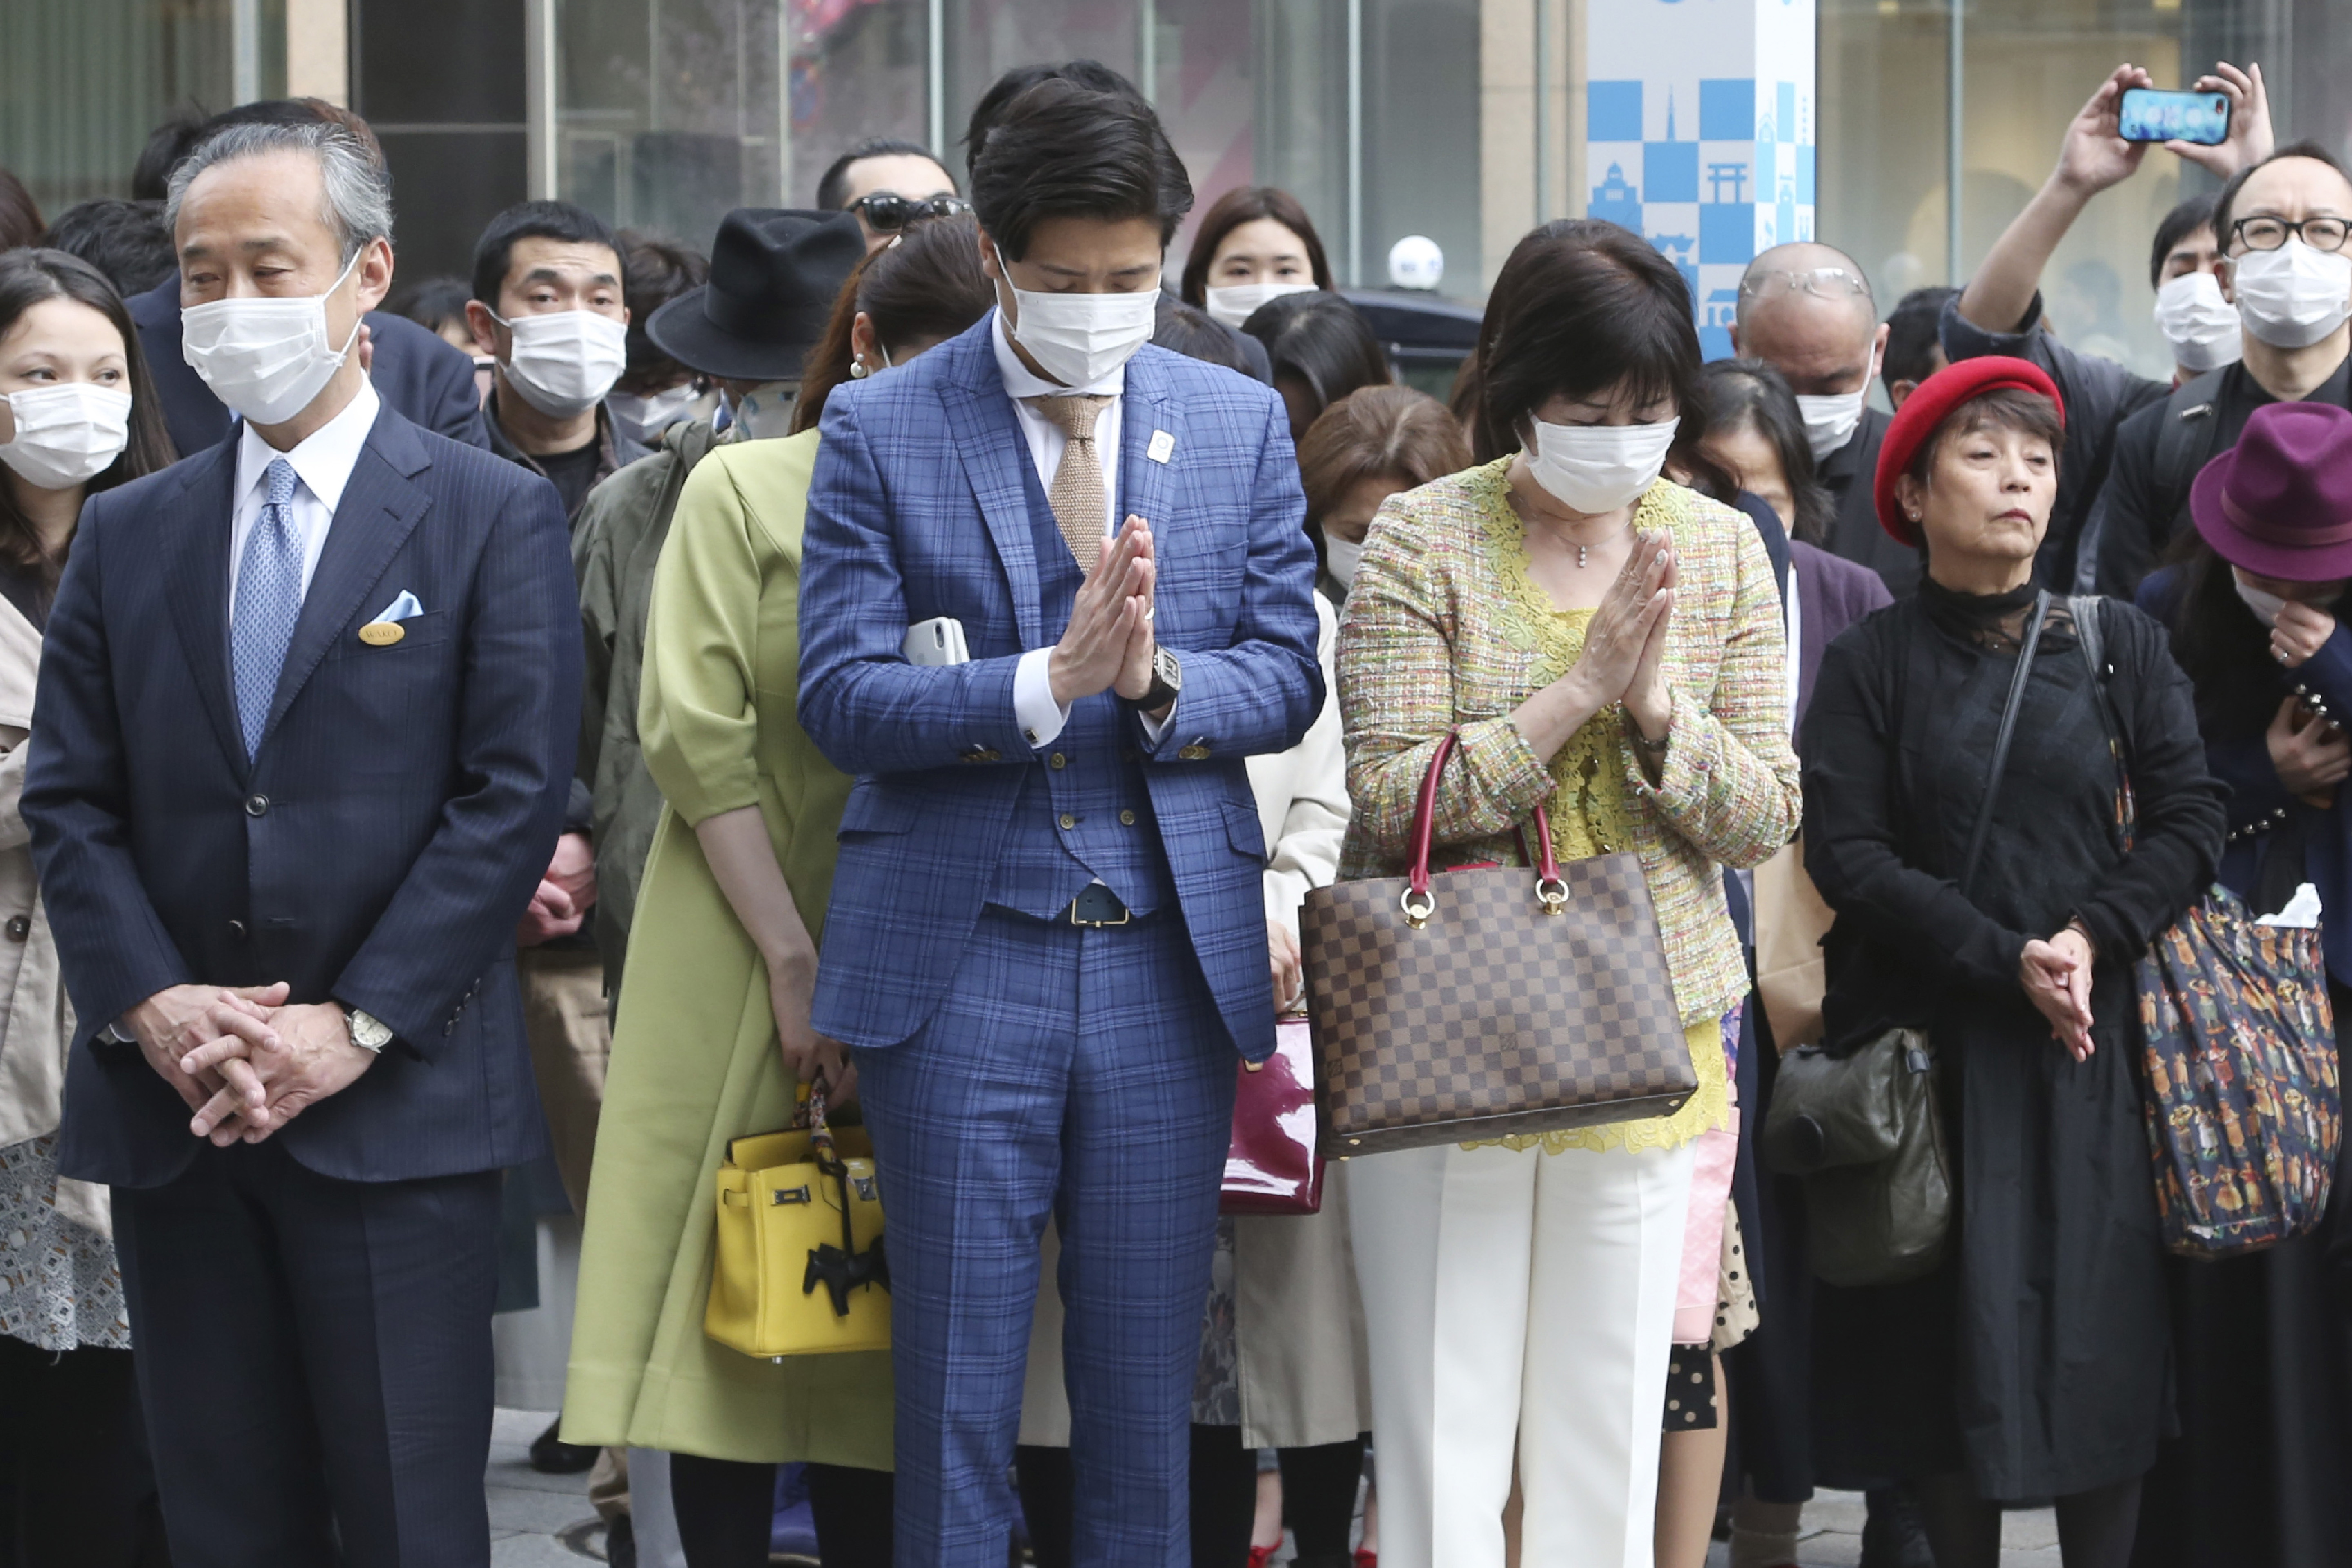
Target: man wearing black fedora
774, 275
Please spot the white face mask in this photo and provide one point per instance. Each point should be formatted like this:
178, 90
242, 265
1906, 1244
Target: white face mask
2266, 606
1233, 306
66, 436
766, 411
1594, 469
1078, 339
1341, 557
265, 358
2294, 295
564, 362
1830, 419
643, 419
2203, 327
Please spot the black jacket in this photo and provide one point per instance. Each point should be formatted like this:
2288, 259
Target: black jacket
1851, 473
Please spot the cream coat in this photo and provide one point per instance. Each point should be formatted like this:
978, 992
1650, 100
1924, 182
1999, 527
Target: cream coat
1298, 1322
36, 1019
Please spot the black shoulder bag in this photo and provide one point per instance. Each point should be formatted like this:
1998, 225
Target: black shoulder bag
1862, 1129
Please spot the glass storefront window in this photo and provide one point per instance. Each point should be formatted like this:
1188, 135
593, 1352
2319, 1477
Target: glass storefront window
83, 81
2027, 68
668, 113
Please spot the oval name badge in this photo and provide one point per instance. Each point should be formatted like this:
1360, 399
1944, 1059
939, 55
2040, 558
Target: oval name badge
382, 634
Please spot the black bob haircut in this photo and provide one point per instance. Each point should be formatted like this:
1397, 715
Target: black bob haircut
833, 186
124, 239
2226, 202
1060, 149
1319, 339
535, 220
1092, 75
1582, 308
2182, 221
1911, 334
1750, 394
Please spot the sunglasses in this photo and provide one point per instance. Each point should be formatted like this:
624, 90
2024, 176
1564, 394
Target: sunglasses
886, 212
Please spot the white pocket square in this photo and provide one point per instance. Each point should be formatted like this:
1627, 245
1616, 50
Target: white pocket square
402, 608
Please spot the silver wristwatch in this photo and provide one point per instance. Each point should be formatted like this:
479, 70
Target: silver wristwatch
369, 1033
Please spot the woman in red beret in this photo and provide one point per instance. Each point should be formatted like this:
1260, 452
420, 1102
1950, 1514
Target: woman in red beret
2032, 1363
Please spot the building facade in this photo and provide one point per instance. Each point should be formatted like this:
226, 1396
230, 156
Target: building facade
1907, 131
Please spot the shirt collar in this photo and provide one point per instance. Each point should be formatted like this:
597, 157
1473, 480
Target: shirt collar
322, 461
1020, 382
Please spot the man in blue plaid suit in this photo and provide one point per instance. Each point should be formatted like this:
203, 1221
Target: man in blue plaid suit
1047, 938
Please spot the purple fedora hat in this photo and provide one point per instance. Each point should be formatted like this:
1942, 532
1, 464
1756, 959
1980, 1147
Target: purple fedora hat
2279, 503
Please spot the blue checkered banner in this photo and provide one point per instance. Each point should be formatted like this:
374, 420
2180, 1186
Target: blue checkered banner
1700, 128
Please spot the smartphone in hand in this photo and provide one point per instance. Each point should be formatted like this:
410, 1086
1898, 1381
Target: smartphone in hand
2153, 114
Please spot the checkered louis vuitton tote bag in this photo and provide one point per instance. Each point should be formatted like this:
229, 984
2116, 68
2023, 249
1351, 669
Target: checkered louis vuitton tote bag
1491, 1002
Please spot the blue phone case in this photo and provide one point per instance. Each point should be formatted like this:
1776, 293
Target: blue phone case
2149, 114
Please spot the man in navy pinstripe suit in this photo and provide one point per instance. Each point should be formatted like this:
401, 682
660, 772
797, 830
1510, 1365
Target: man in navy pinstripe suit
300, 751
1046, 941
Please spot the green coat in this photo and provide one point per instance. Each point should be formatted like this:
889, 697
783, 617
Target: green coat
614, 545
695, 1060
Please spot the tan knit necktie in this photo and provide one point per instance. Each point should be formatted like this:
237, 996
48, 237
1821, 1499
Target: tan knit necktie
1080, 508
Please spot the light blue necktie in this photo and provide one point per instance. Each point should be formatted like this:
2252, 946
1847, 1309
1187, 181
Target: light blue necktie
269, 602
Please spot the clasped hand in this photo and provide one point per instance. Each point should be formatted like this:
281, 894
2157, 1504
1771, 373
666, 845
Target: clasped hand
1625, 642
245, 1061
1109, 644
2056, 975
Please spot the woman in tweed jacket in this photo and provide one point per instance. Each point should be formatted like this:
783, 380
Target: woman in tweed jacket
1608, 643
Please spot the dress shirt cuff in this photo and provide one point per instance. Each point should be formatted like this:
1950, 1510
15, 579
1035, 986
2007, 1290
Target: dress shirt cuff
1034, 709
1153, 729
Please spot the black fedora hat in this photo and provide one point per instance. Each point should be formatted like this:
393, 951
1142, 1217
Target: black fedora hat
775, 274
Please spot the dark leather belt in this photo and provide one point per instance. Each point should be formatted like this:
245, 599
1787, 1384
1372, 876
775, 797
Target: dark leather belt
1098, 907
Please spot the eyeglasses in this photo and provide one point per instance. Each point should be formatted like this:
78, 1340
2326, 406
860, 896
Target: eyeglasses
2269, 233
886, 212
1823, 282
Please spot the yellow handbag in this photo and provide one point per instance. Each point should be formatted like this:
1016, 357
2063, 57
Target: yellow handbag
800, 1268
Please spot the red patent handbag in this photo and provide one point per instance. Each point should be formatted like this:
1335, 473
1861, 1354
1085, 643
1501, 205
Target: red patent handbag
1275, 1164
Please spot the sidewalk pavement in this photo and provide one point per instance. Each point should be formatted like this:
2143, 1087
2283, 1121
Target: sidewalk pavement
536, 1521
544, 1522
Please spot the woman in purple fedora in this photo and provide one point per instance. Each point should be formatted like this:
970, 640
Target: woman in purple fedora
2262, 1471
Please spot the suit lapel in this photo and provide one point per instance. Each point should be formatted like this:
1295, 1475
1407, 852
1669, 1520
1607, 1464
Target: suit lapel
994, 454
380, 509
195, 586
1148, 486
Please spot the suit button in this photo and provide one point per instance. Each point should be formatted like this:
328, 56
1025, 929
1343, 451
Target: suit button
1193, 753
1068, 820
19, 928
257, 806
1127, 819
1057, 761
236, 930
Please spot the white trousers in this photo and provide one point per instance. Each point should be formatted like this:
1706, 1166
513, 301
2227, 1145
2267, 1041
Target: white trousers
1514, 1298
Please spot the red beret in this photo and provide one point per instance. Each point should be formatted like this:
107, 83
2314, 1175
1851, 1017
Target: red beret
1930, 404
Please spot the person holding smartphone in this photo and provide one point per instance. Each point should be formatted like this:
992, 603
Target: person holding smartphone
2000, 312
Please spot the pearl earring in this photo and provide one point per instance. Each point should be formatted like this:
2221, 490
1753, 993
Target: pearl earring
857, 371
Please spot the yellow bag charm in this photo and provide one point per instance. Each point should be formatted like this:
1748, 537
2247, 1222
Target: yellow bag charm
800, 1268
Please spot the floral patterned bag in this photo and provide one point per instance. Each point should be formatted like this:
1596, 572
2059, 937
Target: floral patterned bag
2244, 1113
2238, 1051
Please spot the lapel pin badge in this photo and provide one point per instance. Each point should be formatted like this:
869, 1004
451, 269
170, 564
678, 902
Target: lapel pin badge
382, 634
1163, 446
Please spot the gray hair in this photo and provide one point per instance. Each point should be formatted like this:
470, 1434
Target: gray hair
358, 189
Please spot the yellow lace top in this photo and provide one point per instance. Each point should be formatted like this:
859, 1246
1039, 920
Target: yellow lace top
1590, 815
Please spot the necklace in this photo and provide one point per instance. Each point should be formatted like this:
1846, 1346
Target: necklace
1529, 517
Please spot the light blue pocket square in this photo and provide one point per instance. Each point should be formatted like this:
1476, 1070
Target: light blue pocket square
402, 608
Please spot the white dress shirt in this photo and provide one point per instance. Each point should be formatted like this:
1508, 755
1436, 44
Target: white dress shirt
1042, 718
322, 462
